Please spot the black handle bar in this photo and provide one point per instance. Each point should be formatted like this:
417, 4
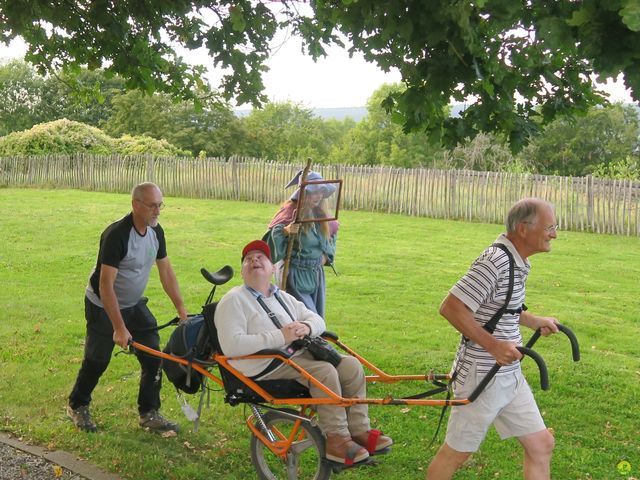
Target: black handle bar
544, 374
542, 367
575, 348
526, 350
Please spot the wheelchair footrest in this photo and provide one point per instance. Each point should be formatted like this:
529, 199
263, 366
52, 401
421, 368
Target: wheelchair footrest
339, 467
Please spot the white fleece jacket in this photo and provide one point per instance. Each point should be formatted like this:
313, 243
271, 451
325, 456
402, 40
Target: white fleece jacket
245, 328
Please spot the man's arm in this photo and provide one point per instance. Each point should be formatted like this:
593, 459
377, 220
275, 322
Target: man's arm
121, 335
547, 325
459, 315
170, 286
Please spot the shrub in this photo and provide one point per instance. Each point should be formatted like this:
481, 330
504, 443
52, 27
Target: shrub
68, 137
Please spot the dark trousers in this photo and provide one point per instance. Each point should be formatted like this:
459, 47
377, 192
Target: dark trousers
99, 346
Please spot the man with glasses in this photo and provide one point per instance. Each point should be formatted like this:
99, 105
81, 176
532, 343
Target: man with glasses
472, 302
116, 312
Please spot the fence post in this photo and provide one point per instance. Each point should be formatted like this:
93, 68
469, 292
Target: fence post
590, 216
234, 178
452, 194
150, 170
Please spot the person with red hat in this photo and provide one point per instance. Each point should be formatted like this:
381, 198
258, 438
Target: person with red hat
258, 315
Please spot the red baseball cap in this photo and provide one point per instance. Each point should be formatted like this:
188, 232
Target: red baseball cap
257, 245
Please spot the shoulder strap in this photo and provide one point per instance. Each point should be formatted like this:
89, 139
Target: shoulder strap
490, 326
273, 316
281, 302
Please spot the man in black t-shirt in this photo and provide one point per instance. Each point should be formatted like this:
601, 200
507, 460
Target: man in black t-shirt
116, 312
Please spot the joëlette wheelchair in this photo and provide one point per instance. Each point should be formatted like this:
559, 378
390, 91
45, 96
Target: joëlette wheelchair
286, 442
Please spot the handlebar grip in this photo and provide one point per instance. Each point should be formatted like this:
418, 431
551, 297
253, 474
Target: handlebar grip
544, 374
534, 338
542, 367
575, 348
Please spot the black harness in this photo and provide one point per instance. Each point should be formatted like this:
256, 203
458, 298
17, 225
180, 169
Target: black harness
289, 349
490, 327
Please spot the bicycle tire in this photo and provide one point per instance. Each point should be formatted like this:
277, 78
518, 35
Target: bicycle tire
305, 458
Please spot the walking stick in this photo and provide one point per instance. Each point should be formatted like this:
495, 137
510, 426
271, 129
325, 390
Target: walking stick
292, 238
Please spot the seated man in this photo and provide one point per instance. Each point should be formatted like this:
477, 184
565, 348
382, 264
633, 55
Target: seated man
245, 326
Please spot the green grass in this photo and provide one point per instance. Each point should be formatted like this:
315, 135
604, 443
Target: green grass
394, 271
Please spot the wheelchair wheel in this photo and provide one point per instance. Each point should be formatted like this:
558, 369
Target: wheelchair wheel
305, 457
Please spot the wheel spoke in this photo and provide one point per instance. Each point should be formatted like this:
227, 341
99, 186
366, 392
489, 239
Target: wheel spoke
292, 467
300, 446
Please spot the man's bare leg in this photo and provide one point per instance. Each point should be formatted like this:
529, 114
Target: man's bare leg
538, 448
446, 462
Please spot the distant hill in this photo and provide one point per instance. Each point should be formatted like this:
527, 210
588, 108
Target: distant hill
356, 113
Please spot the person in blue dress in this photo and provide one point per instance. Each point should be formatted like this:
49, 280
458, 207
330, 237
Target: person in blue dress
314, 242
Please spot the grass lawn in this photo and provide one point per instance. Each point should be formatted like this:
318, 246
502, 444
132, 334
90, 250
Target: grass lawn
394, 271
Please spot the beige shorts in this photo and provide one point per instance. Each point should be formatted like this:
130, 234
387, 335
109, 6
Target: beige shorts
507, 403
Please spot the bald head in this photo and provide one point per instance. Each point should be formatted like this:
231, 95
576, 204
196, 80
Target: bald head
525, 211
141, 189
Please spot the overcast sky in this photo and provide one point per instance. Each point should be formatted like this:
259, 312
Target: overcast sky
335, 81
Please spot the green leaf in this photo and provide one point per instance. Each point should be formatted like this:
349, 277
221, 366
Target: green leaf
487, 86
631, 15
555, 32
238, 21
579, 17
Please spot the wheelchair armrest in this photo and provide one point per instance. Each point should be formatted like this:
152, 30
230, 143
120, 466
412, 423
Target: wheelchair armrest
328, 334
273, 351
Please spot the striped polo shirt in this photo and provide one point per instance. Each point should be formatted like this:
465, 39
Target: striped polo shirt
483, 289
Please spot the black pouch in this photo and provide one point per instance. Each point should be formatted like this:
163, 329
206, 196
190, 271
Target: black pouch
322, 350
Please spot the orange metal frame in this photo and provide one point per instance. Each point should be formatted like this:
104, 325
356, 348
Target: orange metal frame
283, 442
378, 375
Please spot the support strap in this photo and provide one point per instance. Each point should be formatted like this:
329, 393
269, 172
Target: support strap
490, 326
290, 349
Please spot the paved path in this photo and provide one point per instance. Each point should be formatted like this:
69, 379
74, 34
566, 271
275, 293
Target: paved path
19, 461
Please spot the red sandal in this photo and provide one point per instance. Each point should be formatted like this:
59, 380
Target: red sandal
342, 449
374, 441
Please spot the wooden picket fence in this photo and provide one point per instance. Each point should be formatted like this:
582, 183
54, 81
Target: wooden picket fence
582, 203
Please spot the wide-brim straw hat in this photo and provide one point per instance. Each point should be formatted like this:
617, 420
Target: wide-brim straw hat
327, 189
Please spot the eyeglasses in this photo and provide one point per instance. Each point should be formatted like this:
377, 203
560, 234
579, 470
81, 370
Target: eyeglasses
153, 206
549, 229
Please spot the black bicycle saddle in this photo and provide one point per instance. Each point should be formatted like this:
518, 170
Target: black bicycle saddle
220, 277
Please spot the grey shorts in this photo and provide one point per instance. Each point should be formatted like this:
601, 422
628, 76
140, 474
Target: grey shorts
507, 403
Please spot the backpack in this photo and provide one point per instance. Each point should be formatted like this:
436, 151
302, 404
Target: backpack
191, 341
268, 239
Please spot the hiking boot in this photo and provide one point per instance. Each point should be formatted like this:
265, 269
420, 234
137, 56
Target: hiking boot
81, 418
154, 421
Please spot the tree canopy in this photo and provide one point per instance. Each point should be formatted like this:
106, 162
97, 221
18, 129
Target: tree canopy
523, 62
601, 137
